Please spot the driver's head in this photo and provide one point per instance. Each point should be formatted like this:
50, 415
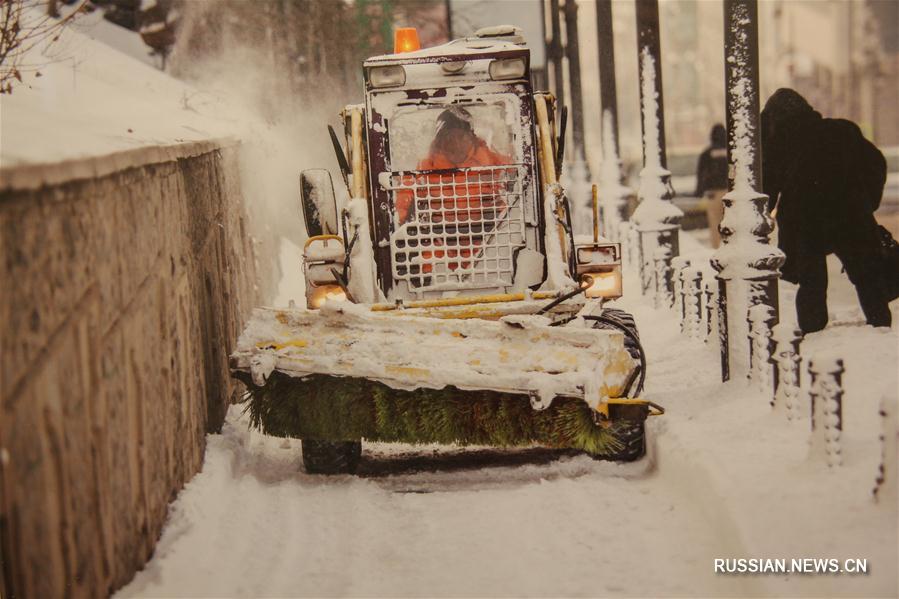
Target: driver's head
455, 137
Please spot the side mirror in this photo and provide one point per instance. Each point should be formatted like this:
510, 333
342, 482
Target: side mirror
318, 202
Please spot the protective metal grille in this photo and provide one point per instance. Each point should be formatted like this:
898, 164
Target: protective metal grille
457, 228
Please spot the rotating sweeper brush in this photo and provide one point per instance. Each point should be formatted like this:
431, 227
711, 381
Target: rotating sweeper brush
447, 300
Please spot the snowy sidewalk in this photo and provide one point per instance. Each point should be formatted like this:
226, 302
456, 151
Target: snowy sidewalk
749, 471
725, 478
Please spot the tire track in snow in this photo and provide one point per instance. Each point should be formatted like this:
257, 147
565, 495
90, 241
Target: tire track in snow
252, 524
675, 378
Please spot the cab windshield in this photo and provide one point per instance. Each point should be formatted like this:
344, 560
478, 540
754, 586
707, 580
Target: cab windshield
454, 136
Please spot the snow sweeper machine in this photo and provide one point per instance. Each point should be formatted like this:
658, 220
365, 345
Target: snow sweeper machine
447, 299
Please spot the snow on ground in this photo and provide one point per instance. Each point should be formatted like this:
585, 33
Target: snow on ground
291, 287
122, 39
758, 483
91, 100
253, 524
725, 478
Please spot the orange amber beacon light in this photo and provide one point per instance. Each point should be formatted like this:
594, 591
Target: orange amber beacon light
405, 39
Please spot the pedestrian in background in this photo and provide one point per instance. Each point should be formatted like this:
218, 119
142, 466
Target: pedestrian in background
711, 180
824, 181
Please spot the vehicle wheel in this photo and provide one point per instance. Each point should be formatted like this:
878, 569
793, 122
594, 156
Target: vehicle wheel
626, 319
632, 436
331, 457
623, 321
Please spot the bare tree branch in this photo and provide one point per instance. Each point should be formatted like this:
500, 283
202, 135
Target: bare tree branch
24, 25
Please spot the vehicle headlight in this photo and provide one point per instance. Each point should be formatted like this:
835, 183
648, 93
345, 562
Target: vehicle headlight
391, 76
325, 293
507, 68
322, 257
605, 284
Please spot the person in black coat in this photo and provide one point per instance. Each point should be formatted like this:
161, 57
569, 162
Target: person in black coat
824, 181
711, 180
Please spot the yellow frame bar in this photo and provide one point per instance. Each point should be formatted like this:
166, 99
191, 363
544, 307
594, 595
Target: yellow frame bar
322, 238
464, 301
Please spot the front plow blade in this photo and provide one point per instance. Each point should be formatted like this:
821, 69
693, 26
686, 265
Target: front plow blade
517, 354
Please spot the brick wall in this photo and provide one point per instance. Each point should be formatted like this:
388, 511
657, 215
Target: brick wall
121, 295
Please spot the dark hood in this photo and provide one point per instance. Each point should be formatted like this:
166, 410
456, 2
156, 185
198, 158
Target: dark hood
785, 113
718, 137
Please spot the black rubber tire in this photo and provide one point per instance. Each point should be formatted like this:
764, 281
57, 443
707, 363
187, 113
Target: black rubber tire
331, 457
626, 319
632, 436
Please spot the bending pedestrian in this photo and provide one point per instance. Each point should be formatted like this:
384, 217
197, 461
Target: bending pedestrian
824, 181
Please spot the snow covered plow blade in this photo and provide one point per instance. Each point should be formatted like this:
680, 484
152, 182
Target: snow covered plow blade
516, 354
346, 372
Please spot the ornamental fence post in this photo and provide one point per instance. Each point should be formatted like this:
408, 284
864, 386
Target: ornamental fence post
760, 319
614, 194
786, 374
826, 393
656, 219
678, 264
710, 290
747, 263
663, 280
684, 292
693, 302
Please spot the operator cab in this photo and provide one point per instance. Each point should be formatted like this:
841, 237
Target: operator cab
452, 167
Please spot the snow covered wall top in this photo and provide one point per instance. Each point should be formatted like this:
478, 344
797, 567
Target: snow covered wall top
88, 100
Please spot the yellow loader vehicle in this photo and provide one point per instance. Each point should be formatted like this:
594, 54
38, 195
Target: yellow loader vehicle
447, 300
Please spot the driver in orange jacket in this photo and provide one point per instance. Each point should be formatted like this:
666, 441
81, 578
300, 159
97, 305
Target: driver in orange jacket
458, 197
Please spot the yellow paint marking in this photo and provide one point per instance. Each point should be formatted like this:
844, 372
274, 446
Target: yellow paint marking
409, 371
277, 346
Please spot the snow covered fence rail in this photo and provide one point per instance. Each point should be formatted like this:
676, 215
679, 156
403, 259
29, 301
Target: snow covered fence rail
695, 299
128, 278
